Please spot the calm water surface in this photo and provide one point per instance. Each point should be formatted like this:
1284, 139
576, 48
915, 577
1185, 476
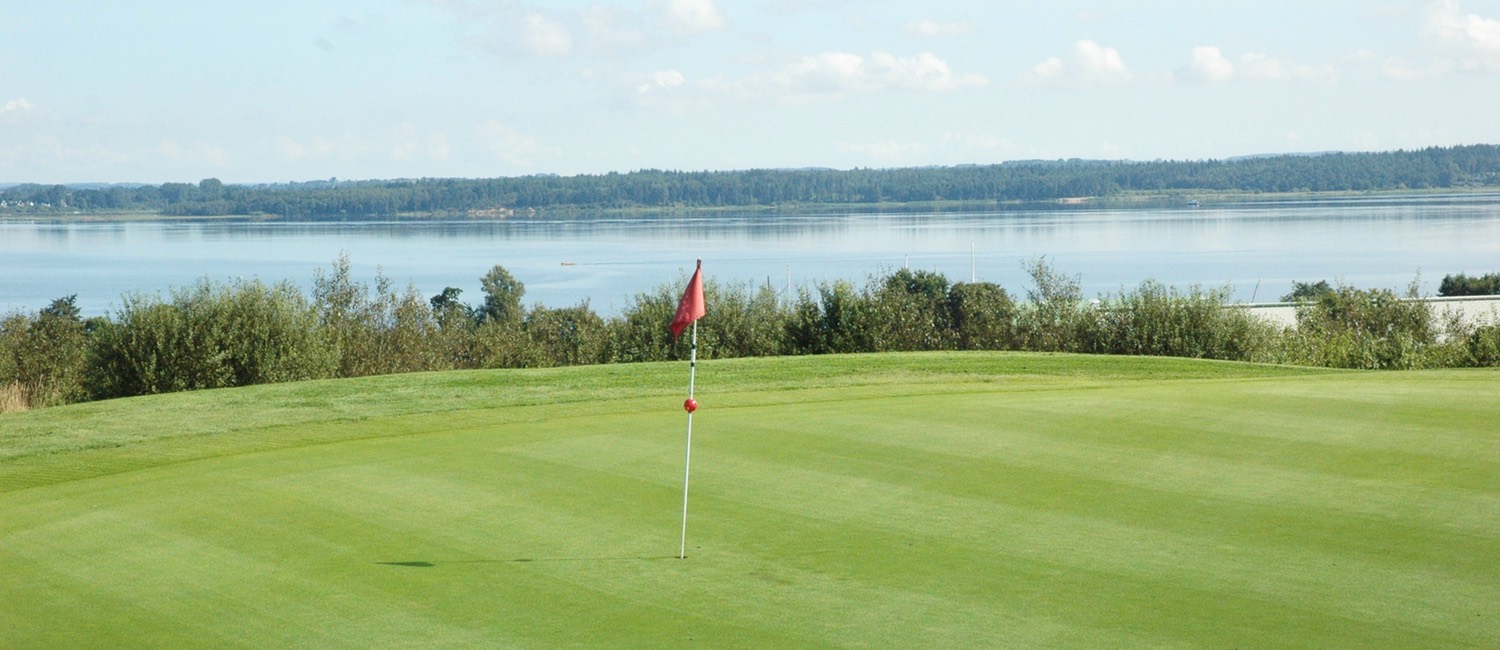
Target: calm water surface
1256, 249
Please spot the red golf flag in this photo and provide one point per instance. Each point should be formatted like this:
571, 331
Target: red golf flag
691, 307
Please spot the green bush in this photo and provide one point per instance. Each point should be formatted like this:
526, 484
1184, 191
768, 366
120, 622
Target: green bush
1358, 328
152, 347
208, 336
641, 334
1056, 318
504, 345
344, 314
908, 310
405, 333
803, 330
1303, 291
388, 332
271, 334
570, 336
742, 322
43, 357
1483, 346
246, 332
1156, 320
982, 316
847, 318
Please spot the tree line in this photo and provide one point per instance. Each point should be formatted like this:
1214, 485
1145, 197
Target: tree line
1435, 167
244, 332
1465, 285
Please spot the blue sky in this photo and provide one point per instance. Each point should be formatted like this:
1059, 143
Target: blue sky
278, 90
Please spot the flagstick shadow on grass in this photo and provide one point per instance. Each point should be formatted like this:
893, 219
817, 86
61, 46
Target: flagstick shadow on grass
424, 564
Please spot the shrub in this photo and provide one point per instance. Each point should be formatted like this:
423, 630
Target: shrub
982, 316
836, 319
150, 348
381, 334
504, 345
803, 330
908, 310
841, 323
1055, 319
1483, 346
1303, 291
208, 336
570, 336
641, 334
43, 357
405, 333
742, 322
342, 306
270, 334
1355, 328
1156, 320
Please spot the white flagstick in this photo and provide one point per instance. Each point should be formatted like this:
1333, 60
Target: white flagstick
687, 464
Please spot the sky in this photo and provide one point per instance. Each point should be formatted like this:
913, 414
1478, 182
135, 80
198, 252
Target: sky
290, 90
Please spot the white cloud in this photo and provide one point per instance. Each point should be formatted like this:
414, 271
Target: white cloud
612, 29
290, 149
1209, 65
1403, 70
169, 149
1474, 39
20, 111
593, 29
1089, 63
925, 71
1052, 68
512, 147
693, 16
437, 146
545, 37
1099, 60
830, 72
1259, 66
215, 155
401, 142
17, 106
970, 141
815, 77
661, 79
931, 29
837, 73
606, 30
406, 143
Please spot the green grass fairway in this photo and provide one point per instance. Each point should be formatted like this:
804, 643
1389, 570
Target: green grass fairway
885, 501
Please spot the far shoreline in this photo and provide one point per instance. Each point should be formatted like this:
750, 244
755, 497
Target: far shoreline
1129, 200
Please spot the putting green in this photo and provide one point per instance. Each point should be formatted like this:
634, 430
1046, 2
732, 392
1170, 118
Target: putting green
885, 501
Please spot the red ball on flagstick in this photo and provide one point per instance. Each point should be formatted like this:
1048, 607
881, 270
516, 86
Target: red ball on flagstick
690, 405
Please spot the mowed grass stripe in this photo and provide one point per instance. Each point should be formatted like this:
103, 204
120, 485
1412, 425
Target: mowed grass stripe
216, 418
903, 501
1069, 513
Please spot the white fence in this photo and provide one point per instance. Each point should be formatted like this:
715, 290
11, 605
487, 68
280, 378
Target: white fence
1475, 310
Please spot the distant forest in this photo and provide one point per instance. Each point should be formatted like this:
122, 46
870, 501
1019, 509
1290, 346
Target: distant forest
1021, 181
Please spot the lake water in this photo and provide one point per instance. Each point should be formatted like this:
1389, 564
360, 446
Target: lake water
1258, 249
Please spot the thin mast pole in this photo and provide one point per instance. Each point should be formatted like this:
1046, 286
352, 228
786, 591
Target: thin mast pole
687, 462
